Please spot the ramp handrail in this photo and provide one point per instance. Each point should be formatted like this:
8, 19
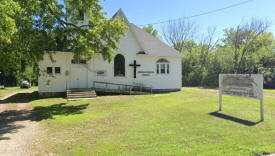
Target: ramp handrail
126, 85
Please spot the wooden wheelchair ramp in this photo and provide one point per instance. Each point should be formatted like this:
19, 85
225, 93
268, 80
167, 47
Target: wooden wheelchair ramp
106, 87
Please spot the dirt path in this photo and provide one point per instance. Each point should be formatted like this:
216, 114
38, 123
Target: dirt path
18, 125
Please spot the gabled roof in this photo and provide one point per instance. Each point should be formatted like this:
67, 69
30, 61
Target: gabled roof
120, 13
151, 45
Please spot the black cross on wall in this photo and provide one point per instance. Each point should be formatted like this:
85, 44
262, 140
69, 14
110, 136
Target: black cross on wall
135, 65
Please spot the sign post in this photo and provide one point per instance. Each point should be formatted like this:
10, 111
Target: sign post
220, 93
242, 85
262, 109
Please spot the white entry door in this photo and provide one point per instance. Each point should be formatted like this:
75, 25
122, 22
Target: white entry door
78, 78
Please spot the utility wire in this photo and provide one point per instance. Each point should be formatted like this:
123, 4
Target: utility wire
201, 14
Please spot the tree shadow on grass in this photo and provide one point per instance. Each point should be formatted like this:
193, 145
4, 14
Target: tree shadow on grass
9, 118
23, 97
235, 119
47, 112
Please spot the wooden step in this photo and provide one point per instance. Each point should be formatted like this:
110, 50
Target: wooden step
80, 89
75, 94
84, 94
81, 93
81, 96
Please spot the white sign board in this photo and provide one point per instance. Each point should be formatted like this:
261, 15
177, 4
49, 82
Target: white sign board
242, 85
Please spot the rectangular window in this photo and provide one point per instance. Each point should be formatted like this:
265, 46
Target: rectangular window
49, 70
57, 70
157, 68
74, 61
162, 68
82, 62
168, 69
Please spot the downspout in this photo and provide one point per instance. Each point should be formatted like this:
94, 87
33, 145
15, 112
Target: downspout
87, 85
66, 72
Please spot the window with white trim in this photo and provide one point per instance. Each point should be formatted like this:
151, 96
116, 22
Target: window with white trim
163, 66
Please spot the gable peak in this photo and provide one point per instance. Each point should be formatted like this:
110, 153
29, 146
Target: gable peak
120, 14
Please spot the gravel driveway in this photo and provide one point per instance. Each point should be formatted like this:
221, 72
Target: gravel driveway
18, 125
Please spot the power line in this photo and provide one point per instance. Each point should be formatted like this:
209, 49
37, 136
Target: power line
201, 14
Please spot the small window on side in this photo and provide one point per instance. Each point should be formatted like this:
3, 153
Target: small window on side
57, 70
82, 61
49, 70
168, 69
74, 61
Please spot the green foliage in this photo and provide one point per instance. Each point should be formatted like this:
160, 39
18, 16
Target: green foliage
8, 10
150, 29
259, 59
29, 28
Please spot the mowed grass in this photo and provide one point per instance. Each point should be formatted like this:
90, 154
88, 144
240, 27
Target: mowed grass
182, 123
9, 90
269, 91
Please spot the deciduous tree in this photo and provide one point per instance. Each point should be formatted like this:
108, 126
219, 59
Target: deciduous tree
150, 29
29, 28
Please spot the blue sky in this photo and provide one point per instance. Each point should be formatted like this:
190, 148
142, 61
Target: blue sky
150, 11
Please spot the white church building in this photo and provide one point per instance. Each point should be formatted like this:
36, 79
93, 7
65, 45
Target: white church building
141, 60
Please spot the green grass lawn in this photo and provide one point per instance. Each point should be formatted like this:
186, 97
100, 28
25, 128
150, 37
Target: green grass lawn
182, 123
9, 90
269, 91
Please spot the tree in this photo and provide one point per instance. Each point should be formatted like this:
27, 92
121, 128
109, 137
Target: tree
207, 44
242, 39
177, 33
29, 28
247, 48
7, 23
150, 29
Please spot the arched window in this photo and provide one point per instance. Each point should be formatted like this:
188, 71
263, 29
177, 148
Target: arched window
163, 66
119, 65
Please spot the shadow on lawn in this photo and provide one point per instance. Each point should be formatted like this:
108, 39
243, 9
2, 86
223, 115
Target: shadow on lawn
18, 98
235, 119
47, 112
21, 97
9, 118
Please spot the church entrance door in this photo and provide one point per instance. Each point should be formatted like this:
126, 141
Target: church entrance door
78, 78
